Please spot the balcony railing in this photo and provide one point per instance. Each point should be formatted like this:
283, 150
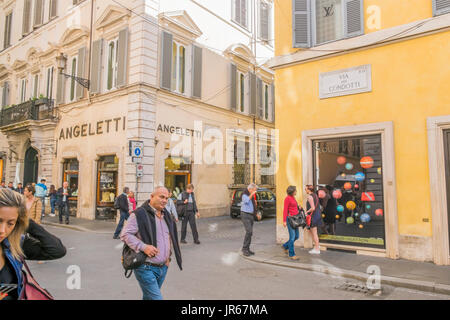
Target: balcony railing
39, 109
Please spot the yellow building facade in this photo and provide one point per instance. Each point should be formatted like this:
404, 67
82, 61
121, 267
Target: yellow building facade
363, 99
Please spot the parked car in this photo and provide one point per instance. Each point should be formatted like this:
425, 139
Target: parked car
265, 202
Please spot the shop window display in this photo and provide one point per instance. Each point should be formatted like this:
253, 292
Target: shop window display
349, 176
107, 174
70, 174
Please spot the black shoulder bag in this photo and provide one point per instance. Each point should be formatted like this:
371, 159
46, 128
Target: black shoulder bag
299, 220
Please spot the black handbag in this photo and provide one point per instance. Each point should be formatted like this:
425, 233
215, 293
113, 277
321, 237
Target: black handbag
131, 259
299, 220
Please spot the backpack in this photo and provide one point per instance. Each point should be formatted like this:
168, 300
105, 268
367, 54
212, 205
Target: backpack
116, 203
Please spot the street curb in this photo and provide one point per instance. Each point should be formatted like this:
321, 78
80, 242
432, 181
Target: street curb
76, 228
427, 286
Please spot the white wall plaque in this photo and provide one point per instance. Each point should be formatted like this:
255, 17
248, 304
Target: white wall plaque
345, 82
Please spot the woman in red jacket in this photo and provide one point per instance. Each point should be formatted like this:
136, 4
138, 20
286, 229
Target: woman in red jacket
291, 209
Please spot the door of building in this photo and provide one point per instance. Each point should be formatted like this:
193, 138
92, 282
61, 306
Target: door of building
31, 166
447, 175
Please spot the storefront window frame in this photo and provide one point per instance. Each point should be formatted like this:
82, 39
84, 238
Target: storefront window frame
98, 201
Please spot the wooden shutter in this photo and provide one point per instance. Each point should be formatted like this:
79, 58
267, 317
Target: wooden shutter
122, 58
301, 23
259, 98
264, 20
233, 87
237, 10
244, 13
353, 17
26, 17
38, 12
441, 7
252, 82
61, 89
96, 66
79, 89
5, 95
166, 60
53, 8
197, 54
74, 2
272, 91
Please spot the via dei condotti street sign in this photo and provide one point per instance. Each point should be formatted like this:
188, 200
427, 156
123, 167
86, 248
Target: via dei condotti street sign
345, 82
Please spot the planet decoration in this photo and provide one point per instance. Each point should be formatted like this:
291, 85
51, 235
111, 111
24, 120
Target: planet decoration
356, 214
347, 186
340, 208
366, 162
365, 217
379, 170
368, 206
359, 176
349, 166
379, 212
372, 180
343, 175
356, 186
341, 160
322, 194
350, 220
337, 194
323, 216
338, 216
361, 226
351, 205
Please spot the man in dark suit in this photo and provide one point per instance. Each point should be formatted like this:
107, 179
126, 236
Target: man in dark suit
62, 201
122, 202
187, 200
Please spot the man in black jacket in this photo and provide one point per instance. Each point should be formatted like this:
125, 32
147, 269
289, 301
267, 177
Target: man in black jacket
62, 201
152, 230
189, 211
124, 210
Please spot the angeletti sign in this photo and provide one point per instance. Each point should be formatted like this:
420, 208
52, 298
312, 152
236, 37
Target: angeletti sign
345, 82
92, 129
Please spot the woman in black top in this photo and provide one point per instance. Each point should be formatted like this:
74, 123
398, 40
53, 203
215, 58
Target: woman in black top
15, 246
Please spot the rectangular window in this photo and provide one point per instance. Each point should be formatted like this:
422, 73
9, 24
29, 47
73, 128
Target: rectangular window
178, 67
7, 36
239, 12
241, 165
49, 91
112, 64
53, 9
72, 80
264, 20
267, 169
350, 169
23, 90
241, 91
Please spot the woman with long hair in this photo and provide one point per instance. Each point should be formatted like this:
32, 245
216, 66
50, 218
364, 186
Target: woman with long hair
313, 209
21, 238
290, 209
33, 204
52, 193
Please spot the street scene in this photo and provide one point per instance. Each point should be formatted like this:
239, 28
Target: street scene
224, 150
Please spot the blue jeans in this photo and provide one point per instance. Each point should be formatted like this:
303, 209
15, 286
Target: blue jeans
43, 205
123, 216
53, 204
150, 280
293, 236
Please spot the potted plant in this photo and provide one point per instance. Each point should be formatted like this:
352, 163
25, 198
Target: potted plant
41, 100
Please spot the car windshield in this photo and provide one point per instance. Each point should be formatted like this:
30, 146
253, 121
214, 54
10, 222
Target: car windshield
264, 195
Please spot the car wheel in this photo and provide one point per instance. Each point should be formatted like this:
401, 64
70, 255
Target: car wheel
233, 216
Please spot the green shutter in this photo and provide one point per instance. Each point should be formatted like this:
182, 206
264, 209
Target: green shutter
166, 60
38, 12
233, 87
60, 89
96, 66
259, 98
53, 8
80, 72
301, 23
197, 71
252, 82
272, 91
122, 58
26, 17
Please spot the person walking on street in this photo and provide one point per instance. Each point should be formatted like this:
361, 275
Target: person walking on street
16, 245
19, 188
62, 202
290, 209
313, 208
187, 199
152, 230
248, 213
11, 186
2, 185
53, 199
41, 193
124, 211
33, 204
131, 202
171, 208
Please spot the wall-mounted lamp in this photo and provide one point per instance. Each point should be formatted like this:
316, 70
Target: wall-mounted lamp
61, 61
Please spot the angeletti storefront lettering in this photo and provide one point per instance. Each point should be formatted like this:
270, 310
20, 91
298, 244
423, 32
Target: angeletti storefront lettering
91, 129
179, 130
345, 82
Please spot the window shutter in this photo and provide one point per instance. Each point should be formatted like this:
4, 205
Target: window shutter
272, 91
122, 58
259, 97
79, 93
26, 17
441, 7
354, 18
237, 10
38, 11
263, 20
252, 80
233, 87
166, 60
244, 12
53, 8
301, 23
197, 71
96, 66
74, 2
5, 95
61, 88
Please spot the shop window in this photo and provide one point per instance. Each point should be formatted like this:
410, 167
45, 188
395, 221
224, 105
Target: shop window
70, 174
350, 171
241, 165
266, 161
177, 174
107, 175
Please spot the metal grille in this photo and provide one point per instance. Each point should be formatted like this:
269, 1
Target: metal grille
30, 110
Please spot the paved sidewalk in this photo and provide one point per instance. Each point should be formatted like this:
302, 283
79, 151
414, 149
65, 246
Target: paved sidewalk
85, 225
421, 276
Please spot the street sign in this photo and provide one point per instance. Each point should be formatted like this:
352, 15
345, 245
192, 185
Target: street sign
139, 170
136, 149
136, 159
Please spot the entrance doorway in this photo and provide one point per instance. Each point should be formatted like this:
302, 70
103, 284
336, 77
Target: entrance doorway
31, 166
70, 174
177, 174
447, 176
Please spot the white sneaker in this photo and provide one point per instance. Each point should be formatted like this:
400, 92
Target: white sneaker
314, 251
52, 215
